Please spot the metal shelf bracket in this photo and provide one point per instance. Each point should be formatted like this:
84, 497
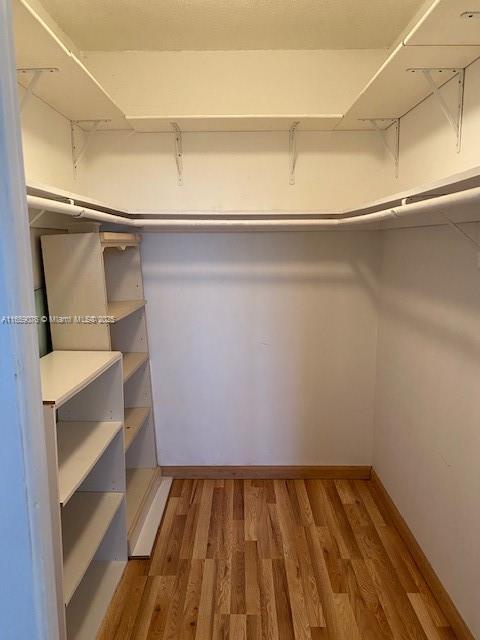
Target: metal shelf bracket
456, 227
454, 118
37, 73
393, 149
292, 150
178, 152
79, 151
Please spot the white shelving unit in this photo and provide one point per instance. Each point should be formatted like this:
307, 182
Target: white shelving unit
83, 411
101, 276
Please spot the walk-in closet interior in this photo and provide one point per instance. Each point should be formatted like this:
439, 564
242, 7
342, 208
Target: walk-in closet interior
249, 233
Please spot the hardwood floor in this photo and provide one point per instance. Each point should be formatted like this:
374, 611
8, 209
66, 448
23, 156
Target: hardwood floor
273, 560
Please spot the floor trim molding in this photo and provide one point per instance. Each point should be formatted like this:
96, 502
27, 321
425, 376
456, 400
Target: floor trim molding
446, 604
268, 472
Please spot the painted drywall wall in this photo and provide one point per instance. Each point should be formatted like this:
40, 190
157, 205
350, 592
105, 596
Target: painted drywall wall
262, 346
428, 404
47, 147
240, 82
236, 171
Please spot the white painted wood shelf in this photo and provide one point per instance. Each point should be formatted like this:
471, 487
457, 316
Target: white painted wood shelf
132, 363
80, 446
140, 483
88, 606
71, 89
135, 418
66, 373
120, 309
84, 524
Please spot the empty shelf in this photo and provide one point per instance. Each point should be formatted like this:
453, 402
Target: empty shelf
84, 524
90, 601
140, 483
72, 90
80, 445
135, 418
120, 309
131, 363
65, 373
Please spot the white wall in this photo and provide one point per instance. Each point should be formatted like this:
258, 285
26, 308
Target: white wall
239, 171
47, 146
263, 346
427, 437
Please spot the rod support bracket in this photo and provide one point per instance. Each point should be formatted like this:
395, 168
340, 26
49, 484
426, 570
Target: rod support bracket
453, 116
392, 148
178, 152
36, 73
292, 150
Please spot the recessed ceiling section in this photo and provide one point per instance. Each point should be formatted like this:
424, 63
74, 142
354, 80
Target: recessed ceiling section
175, 25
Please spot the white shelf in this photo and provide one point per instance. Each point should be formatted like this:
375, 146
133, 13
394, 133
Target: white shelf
148, 533
135, 418
268, 122
90, 602
65, 373
120, 309
140, 483
72, 90
393, 91
84, 524
80, 446
131, 363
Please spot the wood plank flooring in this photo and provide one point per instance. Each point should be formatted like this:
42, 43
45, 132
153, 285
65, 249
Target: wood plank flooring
275, 560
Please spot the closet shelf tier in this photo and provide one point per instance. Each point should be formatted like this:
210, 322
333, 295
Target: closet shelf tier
119, 309
135, 418
132, 363
84, 524
66, 373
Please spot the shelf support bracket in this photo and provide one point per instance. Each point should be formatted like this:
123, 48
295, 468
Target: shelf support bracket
78, 152
456, 227
454, 118
36, 75
292, 150
393, 150
37, 217
178, 152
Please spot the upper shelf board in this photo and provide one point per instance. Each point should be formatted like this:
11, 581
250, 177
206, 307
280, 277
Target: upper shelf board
450, 22
394, 89
65, 373
321, 122
72, 90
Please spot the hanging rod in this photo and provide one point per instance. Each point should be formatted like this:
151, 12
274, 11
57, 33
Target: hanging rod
267, 223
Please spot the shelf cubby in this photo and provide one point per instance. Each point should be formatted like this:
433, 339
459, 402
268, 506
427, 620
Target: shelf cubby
135, 419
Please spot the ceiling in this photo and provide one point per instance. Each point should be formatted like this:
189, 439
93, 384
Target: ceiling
173, 25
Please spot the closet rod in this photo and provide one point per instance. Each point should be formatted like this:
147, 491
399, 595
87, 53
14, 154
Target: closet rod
436, 203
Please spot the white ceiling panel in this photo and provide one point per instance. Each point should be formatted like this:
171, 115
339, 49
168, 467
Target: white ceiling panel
450, 22
173, 25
